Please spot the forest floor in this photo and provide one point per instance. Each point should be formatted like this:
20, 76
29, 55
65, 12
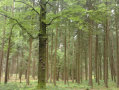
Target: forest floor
60, 86
14, 84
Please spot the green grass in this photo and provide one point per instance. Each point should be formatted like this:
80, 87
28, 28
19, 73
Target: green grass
60, 86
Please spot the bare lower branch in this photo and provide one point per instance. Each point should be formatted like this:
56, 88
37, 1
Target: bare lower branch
29, 6
7, 16
52, 20
49, 3
20, 25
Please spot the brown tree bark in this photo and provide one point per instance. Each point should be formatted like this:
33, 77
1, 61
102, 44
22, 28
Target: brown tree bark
8, 52
2, 52
65, 59
86, 66
78, 58
106, 42
89, 5
21, 66
117, 41
34, 68
112, 62
55, 59
42, 46
96, 60
51, 58
29, 61
90, 58
47, 63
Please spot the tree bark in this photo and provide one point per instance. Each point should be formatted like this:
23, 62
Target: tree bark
2, 52
65, 65
29, 61
8, 52
117, 41
42, 46
55, 59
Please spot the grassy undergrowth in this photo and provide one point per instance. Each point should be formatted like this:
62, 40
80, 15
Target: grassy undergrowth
60, 86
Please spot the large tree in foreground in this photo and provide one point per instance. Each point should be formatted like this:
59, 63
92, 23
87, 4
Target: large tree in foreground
42, 36
42, 46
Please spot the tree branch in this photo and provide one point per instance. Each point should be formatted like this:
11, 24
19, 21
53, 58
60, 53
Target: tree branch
29, 6
49, 3
20, 25
52, 20
7, 16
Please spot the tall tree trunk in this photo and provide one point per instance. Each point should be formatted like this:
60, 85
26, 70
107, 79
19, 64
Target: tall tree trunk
65, 65
8, 52
2, 52
73, 63
33, 68
86, 66
96, 60
47, 63
112, 63
42, 46
78, 58
55, 59
17, 64
89, 4
117, 41
106, 54
21, 66
51, 61
29, 61
9, 47
90, 58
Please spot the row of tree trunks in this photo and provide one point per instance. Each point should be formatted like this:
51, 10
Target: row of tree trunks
117, 41
2, 52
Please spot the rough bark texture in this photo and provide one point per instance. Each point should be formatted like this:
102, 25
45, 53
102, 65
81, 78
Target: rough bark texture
29, 61
51, 62
42, 46
8, 52
2, 52
55, 60
65, 67
117, 41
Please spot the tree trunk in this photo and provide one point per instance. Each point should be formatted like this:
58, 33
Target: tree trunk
96, 60
106, 54
47, 63
33, 68
89, 3
86, 66
8, 52
117, 41
2, 52
78, 58
90, 58
65, 65
55, 59
51, 61
29, 61
42, 46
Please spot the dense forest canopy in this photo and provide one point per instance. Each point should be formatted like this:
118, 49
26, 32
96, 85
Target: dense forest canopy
66, 41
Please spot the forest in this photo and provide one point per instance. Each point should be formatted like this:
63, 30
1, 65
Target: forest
59, 45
